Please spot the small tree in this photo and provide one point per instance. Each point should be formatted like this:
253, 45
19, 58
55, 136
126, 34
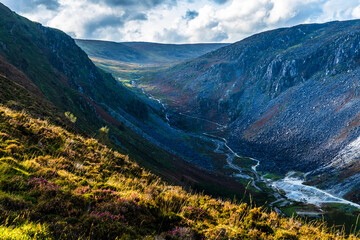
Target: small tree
70, 116
104, 130
103, 135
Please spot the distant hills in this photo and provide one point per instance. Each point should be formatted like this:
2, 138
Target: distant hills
145, 52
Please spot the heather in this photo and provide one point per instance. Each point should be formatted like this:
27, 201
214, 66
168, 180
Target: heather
57, 185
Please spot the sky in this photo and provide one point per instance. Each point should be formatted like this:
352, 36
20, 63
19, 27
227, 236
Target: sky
179, 21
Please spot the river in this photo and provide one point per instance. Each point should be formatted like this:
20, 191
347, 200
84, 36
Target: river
295, 190
221, 143
291, 185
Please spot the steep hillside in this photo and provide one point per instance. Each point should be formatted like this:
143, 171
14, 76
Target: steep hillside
290, 97
18, 92
57, 185
144, 52
55, 64
49, 64
46, 74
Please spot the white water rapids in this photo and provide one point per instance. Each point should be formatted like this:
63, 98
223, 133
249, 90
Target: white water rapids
292, 186
295, 190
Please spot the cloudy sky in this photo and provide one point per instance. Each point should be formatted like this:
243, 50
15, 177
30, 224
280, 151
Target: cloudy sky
179, 21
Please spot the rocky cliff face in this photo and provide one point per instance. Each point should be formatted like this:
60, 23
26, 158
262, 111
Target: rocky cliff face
290, 97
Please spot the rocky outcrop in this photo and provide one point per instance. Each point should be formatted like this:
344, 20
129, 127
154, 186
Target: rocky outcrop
290, 96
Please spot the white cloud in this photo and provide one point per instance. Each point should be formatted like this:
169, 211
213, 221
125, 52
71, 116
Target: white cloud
166, 21
356, 12
339, 10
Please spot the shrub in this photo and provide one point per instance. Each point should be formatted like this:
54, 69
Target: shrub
71, 117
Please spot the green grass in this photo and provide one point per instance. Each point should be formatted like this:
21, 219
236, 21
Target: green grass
272, 176
57, 185
244, 162
24, 231
341, 216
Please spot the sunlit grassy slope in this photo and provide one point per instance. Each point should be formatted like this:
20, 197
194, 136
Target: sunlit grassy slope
57, 185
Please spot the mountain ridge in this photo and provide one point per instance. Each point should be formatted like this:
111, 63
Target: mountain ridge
145, 52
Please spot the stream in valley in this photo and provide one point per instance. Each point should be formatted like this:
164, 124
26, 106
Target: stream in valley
295, 190
291, 187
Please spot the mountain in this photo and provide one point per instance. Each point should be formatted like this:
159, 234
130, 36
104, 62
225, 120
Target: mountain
145, 52
289, 97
